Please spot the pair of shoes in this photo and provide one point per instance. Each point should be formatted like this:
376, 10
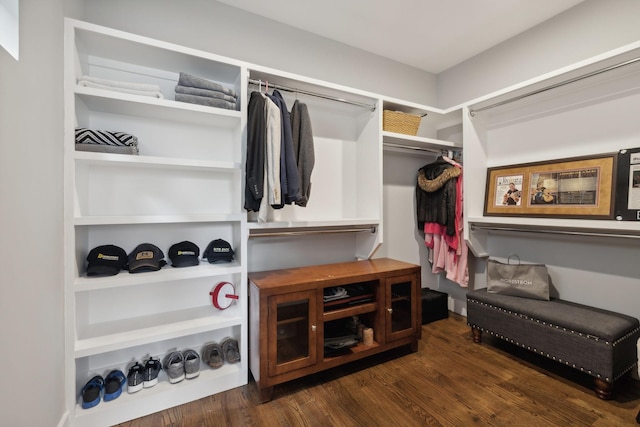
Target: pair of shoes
182, 365
112, 386
230, 350
146, 376
212, 355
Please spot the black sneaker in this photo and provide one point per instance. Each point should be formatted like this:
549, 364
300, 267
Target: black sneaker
151, 370
135, 378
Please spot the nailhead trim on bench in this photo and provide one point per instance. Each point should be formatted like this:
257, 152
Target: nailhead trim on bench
588, 336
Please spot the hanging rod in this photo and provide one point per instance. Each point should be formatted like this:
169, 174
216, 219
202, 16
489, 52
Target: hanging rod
475, 227
410, 147
306, 92
371, 229
554, 86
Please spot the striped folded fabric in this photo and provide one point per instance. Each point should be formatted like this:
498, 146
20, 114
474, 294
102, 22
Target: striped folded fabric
103, 137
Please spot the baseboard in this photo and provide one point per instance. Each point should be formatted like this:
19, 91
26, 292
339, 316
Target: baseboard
64, 420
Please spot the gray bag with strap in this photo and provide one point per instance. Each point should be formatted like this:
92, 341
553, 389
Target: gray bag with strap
521, 280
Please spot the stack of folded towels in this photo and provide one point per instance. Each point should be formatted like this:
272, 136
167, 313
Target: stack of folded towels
197, 90
142, 89
102, 141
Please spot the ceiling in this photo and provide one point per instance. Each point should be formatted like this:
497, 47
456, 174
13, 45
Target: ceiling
432, 35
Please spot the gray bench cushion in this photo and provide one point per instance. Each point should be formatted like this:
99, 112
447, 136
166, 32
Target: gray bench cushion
595, 322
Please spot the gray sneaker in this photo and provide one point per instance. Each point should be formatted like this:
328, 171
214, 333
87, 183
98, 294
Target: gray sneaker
191, 363
174, 366
212, 355
230, 350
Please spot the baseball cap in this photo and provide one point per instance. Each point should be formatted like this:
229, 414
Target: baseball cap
184, 254
106, 260
146, 257
218, 250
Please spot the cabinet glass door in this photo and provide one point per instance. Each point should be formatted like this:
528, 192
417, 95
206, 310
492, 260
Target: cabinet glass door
401, 318
292, 331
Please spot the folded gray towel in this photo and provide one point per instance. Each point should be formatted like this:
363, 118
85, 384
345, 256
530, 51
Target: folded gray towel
205, 100
194, 81
204, 92
99, 148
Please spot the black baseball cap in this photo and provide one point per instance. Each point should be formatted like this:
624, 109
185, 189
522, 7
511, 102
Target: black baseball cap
218, 250
184, 254
106, 260
146, 257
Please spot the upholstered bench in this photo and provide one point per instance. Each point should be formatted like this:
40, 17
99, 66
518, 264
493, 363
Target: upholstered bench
599, 342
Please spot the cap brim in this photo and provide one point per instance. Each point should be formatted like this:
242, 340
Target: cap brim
102, 270
218, 259
185, 261
141, 266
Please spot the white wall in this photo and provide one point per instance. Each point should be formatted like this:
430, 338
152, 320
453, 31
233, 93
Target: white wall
215, 27
586, 30
31, 167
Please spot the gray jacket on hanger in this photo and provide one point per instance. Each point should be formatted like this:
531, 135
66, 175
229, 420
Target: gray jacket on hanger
303, 148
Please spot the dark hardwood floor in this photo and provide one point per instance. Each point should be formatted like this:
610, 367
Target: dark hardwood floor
450, 381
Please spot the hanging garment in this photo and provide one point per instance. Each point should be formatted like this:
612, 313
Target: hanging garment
256, 140
303, 148
271, 185
290, 178
436, 195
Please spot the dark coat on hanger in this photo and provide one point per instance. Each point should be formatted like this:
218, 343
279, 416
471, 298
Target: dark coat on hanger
436, 195
303, 148
256, 139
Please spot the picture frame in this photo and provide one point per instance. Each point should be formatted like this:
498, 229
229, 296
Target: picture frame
577, 187
627, 196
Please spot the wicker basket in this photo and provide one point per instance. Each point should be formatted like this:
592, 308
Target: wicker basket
396, 121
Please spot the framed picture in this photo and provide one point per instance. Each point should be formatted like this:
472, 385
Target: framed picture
579, 187
628, 185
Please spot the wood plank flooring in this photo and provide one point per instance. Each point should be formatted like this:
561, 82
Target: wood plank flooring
450, 381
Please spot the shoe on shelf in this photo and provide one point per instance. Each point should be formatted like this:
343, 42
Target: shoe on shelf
191, 363
135, 378
113, 384
212, 355
91, 392
152, 369
174, 366
230, 350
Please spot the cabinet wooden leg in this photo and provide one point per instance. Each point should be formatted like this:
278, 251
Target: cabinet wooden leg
604, 390
264, 393
477, 335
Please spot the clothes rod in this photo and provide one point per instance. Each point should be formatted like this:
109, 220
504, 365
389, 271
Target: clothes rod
475, 227
554, 86
317, 95
312, 232
410, 147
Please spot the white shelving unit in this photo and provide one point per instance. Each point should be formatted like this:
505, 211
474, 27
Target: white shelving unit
186, 184
585, 109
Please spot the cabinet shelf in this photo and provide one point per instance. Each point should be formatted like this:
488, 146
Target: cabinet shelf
117, 334
350, 311
160, 109
90, 158
155, 219
166, 274
356, 350
149, 400
418, 141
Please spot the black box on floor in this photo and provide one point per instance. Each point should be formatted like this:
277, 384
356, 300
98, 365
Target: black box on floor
434, 305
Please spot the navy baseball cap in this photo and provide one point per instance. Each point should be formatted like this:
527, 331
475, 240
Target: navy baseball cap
218, 250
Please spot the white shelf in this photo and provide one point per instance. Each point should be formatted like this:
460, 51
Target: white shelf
163, 395
418, 141
166, 274
117, 334
156, 219
154, 161
161, 109
313, 224
580, 226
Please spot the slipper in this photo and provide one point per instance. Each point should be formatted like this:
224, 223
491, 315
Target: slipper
212, 355
114, 383
230, 350
91, 392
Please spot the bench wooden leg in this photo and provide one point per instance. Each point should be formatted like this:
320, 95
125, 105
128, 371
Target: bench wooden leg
604, 390
477, 335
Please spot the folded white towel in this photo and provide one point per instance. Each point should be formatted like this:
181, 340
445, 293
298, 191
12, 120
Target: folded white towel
142, 89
